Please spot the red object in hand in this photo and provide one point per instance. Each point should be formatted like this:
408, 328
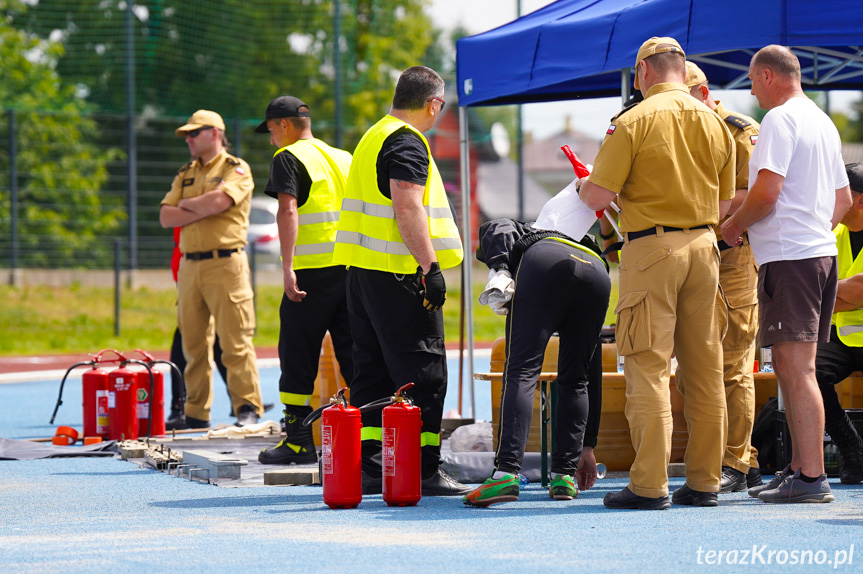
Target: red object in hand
579, 168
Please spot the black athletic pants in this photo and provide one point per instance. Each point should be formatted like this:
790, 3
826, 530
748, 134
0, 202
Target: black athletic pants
558, 288
304, 324
396, 341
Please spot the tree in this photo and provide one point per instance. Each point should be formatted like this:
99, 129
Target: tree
236, 55
59, 172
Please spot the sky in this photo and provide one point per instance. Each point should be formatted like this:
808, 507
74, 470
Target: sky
588, 116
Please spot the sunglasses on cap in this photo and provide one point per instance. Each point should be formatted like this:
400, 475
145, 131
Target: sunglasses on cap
442, 103
195, 133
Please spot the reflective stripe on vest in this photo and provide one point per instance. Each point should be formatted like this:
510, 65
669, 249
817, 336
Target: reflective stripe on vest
368, 234
377, 433
391, 247
318, 217
295, 399
849, 324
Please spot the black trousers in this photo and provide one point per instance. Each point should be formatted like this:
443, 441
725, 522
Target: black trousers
304, 324
558, 288
178, 390
834, 362
396, 341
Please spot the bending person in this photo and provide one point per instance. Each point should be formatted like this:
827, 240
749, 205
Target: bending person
562, 286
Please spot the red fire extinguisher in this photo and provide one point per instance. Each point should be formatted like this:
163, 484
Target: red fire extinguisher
123, 402
402, 466
94, 390
341, 461
94, 384
150, 397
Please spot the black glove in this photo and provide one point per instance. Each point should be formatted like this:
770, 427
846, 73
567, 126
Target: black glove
434, 285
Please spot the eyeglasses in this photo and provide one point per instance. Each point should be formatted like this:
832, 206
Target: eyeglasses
442, 103
195, 133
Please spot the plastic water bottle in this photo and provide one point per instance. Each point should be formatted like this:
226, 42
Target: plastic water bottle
600, 470
620, 363
831, 456
523, 480
766, 360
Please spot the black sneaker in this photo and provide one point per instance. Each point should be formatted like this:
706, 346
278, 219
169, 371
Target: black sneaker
442, 484
689, 497
753, 477
184, 422
247, 416
628, 500
287, 453
732, 480
267, 408
851, 466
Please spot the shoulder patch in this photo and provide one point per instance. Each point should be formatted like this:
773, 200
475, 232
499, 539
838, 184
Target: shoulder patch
737, 121
753, 139
610, 129
184, 168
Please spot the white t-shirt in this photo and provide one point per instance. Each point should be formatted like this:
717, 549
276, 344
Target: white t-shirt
799, 142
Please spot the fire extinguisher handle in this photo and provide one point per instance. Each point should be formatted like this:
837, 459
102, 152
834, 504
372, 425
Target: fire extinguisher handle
147, 356
97, 358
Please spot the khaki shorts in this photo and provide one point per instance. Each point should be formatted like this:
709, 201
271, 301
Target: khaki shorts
795, 300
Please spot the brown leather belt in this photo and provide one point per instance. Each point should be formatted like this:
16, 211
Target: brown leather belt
215, 254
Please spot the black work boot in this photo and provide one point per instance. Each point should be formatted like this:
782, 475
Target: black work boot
298, 446
850, 446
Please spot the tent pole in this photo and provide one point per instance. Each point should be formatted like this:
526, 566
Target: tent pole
467, 264
624, 85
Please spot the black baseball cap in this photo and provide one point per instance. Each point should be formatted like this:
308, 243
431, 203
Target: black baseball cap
284, 107
855, 176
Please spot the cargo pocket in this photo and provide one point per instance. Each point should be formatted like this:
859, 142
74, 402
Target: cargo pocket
243, 298
632, 332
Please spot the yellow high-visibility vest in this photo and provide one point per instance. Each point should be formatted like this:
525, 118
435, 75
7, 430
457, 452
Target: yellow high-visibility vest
849, 324
368, 235
318, 217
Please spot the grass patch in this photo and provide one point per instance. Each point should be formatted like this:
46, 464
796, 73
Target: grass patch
80, 319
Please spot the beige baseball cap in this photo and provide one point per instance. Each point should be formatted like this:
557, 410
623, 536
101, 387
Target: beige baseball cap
655, 46
201, 119
694, 75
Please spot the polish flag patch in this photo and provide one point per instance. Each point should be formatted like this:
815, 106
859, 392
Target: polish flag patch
610, 130
241, 171
753, 139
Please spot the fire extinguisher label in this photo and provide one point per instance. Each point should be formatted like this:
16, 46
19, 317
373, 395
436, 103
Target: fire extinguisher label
101, 412
143, 410
327, 448
112, 400
142, 395
389, 451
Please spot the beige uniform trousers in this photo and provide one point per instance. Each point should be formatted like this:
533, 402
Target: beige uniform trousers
738, 278
669, 304
219, 288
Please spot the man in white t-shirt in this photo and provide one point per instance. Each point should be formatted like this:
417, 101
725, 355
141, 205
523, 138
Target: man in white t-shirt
799, 193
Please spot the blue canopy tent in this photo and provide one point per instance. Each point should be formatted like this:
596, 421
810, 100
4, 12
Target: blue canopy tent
586, 48
577, 48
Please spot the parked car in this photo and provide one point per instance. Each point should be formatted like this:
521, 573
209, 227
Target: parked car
263, 230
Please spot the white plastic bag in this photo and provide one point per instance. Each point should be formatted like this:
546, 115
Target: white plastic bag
472, 438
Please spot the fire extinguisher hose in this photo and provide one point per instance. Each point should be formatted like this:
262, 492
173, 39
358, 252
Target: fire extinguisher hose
63, 383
